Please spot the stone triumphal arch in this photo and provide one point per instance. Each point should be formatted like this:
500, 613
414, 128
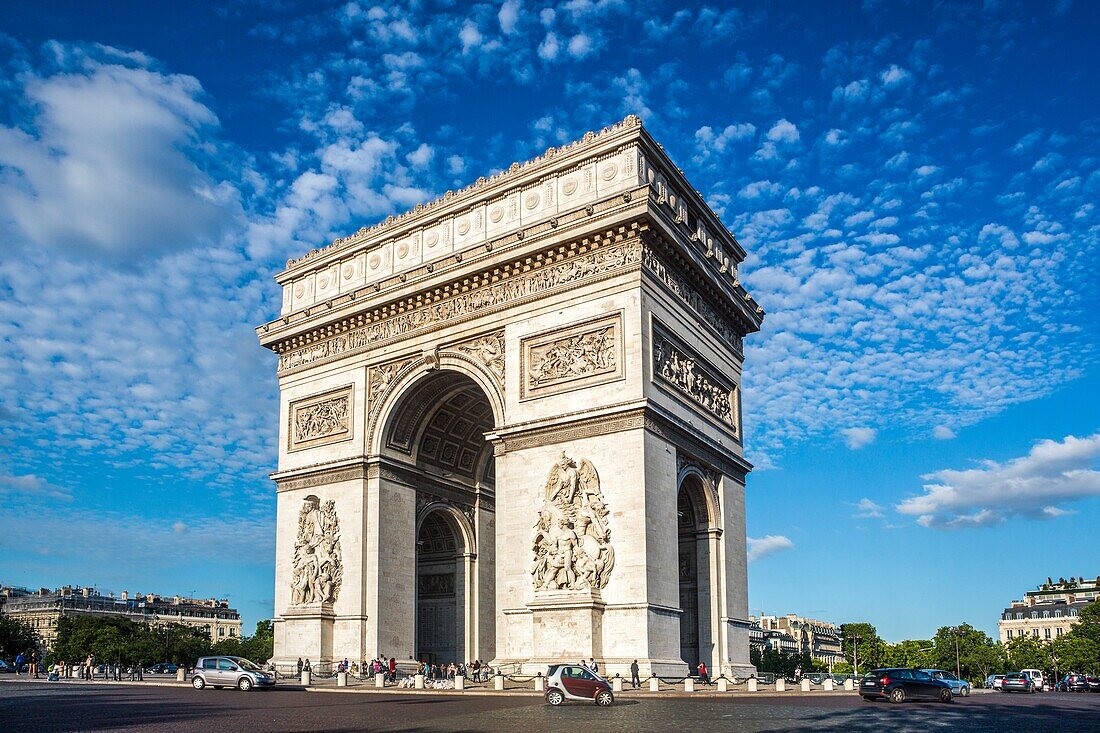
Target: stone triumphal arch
510, 425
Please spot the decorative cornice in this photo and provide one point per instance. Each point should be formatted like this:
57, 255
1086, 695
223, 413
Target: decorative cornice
422, 212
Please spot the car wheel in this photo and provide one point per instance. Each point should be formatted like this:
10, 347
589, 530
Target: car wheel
945, 695
966, 691
244, 684
604, 698
555, 698
897, 695
198, 683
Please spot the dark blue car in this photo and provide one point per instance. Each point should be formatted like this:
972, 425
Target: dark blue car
898, 685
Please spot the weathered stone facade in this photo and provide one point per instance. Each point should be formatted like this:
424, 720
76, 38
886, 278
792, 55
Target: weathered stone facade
511, 398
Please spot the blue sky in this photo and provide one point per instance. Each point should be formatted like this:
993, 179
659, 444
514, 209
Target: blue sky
916, 184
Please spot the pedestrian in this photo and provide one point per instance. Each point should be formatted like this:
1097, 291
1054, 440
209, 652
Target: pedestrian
307, 667
299, 666
634, 678
19, 659
139, 672
593, 666
704, 674
393, 670
34, 664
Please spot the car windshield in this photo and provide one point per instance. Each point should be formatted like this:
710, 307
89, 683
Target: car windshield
246, 664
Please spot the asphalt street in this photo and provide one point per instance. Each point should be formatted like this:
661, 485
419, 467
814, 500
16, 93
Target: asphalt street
61, 708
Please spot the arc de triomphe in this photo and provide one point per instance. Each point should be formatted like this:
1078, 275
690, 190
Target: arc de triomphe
510, 425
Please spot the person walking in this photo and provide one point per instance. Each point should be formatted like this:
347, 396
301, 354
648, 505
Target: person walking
19, 660
704, 673
634, 678
593, 666
34, 664
300, 666
392, 669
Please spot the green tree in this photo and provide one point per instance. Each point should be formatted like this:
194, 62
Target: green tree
916, 653
16, 637
1027, 652
864, 639
978, 655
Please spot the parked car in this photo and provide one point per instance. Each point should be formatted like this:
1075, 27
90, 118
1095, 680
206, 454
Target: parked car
1073, 683
993, 681
1036, 677
898, 685
1093, 683
230, 672
576, 682
1018, 682
958, 687
163, 668
6, 667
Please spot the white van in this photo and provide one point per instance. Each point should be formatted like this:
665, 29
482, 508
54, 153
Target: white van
1036, 677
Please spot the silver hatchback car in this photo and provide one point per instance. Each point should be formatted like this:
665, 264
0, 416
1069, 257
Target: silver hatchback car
230, 672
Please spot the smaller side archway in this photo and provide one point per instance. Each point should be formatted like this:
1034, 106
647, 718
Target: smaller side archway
445, 596
697, 534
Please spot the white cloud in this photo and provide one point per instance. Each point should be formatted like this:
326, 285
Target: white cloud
867, 509
756, 189
580, 45
856, 438
115, 164
760, 547
1034, 486
783, 131
548, 49
835, 137
470, 36
926, 170
942, 432
707, 140
509, 15
894, 75
456, 164
32, 485
421, 158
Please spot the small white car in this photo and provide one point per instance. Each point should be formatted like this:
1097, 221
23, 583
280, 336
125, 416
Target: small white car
1036, 677
576, 682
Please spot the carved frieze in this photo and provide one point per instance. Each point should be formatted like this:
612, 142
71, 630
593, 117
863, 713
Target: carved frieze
594, 263
578, 356
572, 544
691, 297
678, 367
318, 571
321, 419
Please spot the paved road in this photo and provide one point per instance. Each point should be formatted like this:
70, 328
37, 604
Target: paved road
63, 708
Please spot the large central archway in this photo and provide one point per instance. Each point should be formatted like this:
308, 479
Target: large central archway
435, 437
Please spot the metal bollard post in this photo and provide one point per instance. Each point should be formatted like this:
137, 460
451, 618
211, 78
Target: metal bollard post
418, 682
781, 685
498, 682
341, 679
689, 684
805, 684
540, 683
723, 684
753, 685
829, 684
460, 682
654, 684
379, 680
849, 685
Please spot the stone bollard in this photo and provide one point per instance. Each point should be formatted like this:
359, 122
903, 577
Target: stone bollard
781, 685
723, 684
848, 685
341, 679
689, 684
805, 684
307, 677
181, 675
753, 684
617, 684
418, 682
379, 680
460, 682
829, 684
540, 683
654, 684
498, 682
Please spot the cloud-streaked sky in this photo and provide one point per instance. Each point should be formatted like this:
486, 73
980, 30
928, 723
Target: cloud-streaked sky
916, 186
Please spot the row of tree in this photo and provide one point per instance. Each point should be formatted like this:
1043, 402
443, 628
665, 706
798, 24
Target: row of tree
121, 641
976, 654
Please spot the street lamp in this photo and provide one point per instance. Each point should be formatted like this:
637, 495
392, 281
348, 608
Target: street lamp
955, 632
855, 653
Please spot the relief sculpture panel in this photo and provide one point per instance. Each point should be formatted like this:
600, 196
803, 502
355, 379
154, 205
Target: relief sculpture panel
676, 366
318, 571
320, 419
572, 544
579, 356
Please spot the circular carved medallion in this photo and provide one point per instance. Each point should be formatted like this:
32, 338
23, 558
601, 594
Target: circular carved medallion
299, 290
403, 250
464, 227
569, 187
496, 214
432, 239
375, 261
531, 201
349, 270
610, 172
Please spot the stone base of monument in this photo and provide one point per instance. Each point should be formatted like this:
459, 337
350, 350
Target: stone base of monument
307, 630
566, 624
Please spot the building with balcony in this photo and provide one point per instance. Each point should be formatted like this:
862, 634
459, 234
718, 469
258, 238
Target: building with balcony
44, 607
1049, 611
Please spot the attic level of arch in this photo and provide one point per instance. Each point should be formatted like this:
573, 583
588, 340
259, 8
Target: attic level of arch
645, 202
633, 245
